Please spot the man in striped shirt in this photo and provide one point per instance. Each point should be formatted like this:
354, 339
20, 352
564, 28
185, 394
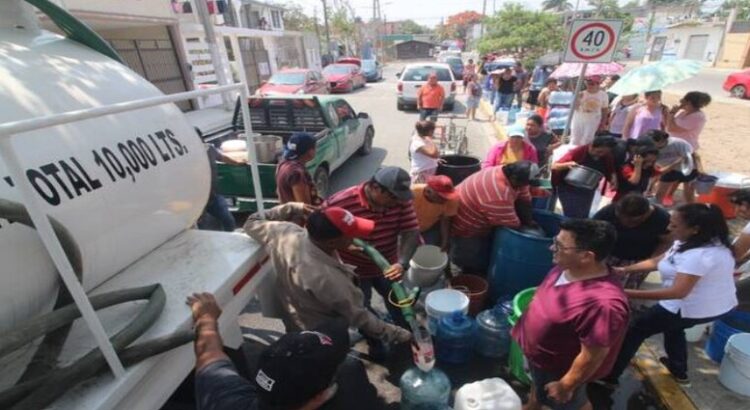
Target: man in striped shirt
492, 197
387, 200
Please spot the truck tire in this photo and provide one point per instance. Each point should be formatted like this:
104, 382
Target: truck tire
366, 147
321, 181
399, 106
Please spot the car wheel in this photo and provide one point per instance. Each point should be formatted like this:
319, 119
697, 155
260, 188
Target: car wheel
366, 147
321, 181
738, 91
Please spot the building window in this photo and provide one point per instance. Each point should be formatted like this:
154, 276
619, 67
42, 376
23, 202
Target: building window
276, 18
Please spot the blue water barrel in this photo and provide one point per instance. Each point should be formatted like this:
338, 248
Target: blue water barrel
733, 322
520, 261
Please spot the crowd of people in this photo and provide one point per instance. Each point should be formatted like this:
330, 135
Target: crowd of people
578, 328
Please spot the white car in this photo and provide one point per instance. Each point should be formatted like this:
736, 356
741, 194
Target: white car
415, 76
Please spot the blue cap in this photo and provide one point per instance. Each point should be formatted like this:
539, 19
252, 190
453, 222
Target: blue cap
298, 145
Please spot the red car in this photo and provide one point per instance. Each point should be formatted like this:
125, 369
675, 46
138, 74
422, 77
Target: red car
738, 84
344, 77
294, 81
350, 60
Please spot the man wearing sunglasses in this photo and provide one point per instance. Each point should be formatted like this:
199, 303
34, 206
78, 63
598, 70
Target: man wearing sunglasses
584, 315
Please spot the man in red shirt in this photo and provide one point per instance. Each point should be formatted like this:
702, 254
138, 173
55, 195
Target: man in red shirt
492, 197
574, 327
293, 182
387, 200
430, 98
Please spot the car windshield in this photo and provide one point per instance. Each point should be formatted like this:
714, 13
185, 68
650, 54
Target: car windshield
421, 73
368, 64
454, 62
287, 79
337, 69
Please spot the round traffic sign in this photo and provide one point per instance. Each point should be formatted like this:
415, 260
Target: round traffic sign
592, 41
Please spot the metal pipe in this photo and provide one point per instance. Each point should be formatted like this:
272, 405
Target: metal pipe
252, 157
566, 132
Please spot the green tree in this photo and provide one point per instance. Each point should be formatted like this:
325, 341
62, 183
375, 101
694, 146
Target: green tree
557, 5
526, 33
743, 8
411, 27
295, 19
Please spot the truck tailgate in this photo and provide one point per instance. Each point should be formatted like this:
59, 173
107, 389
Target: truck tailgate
229, 265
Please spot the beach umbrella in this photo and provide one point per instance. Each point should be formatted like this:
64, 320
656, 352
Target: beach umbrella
570, 70
655, 76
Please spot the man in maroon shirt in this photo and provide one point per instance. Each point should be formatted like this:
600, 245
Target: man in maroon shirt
293, 182
574, 327
387, 200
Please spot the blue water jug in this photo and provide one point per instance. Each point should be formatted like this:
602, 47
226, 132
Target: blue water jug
424, 390
512, 115
493, 331
455, 338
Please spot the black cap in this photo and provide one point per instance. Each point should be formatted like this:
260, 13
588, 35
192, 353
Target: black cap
300, 365
298, 145
396, 181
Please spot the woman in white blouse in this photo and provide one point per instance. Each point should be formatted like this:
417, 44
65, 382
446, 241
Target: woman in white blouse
697, 287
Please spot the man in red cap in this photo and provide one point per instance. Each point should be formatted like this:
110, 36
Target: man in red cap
312, 285
435, 203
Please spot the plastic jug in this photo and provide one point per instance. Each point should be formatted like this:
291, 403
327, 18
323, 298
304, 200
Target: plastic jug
455, 338
424, 390
493, 331
512, 115
487, 394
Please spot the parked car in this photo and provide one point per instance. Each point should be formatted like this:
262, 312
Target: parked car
344, 77
457, 66
415, 76
294, 81
373, 70
340, 132
738, 84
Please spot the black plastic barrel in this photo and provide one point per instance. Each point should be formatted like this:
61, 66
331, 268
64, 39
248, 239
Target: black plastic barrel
458, 167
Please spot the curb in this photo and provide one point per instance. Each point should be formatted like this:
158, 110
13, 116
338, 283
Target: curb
499, 129
661, 382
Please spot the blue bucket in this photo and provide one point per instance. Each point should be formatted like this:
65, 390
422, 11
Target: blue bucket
733, 322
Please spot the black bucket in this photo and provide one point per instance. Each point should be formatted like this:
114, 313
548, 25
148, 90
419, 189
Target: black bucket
458, 167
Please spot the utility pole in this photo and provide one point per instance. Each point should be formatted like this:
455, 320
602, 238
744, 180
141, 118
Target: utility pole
328, 30
317, 29
484, 16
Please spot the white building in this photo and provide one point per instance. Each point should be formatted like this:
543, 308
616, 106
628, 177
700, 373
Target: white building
689, 40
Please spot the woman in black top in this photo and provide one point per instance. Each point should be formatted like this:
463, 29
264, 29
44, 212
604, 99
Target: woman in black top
504, 90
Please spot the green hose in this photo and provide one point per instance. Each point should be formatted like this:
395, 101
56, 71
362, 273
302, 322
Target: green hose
75, 29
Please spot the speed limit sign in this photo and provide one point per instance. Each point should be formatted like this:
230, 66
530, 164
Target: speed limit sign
592, 41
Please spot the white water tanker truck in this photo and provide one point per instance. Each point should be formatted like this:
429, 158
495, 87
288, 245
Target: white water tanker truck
100, 184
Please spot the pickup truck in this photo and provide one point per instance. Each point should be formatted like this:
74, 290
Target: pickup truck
340, 131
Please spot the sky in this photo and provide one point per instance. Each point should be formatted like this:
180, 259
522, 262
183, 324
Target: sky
426, 12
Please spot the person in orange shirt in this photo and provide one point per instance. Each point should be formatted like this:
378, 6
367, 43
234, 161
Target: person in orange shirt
435, 203
430, 98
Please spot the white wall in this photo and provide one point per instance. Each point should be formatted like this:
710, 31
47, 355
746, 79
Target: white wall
679, 37
150, 8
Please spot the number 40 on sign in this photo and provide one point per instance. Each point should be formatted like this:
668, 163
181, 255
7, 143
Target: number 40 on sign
592, 41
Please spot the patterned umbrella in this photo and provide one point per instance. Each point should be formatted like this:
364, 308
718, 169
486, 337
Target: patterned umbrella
655, 76
570, 70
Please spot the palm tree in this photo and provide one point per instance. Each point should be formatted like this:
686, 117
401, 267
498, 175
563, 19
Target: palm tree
557, 5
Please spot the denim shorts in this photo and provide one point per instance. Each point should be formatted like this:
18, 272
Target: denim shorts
541, 378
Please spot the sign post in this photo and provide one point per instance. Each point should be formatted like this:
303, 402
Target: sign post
589, 41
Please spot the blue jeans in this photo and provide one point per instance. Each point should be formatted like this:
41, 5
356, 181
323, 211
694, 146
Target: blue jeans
432, 113
218, 208
653, 321
503, 101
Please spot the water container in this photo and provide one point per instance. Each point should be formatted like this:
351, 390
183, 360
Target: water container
734, 372
493, 331
426, 266
725, 186
559, 112
455, 338
475, 287
444, 302
519, 260
458, 167
517, 363
487, 394
512, 116
502, 116
557, 123
424, 390
731, 323
561, 98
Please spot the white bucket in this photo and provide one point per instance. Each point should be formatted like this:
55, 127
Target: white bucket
444, 302
734, 372
487, 394
696, 333
426, 266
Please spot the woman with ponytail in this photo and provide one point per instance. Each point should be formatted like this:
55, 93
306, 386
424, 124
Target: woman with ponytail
697, 287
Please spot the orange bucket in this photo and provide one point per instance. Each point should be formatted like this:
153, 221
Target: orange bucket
473, 286
719, 196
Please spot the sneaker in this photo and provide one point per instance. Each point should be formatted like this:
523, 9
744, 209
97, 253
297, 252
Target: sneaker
681, 379
668, 201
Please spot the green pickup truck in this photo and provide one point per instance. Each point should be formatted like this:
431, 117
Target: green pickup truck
340, 131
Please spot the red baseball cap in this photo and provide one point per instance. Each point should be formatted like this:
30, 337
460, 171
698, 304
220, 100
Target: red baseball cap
443, 186
349, 224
